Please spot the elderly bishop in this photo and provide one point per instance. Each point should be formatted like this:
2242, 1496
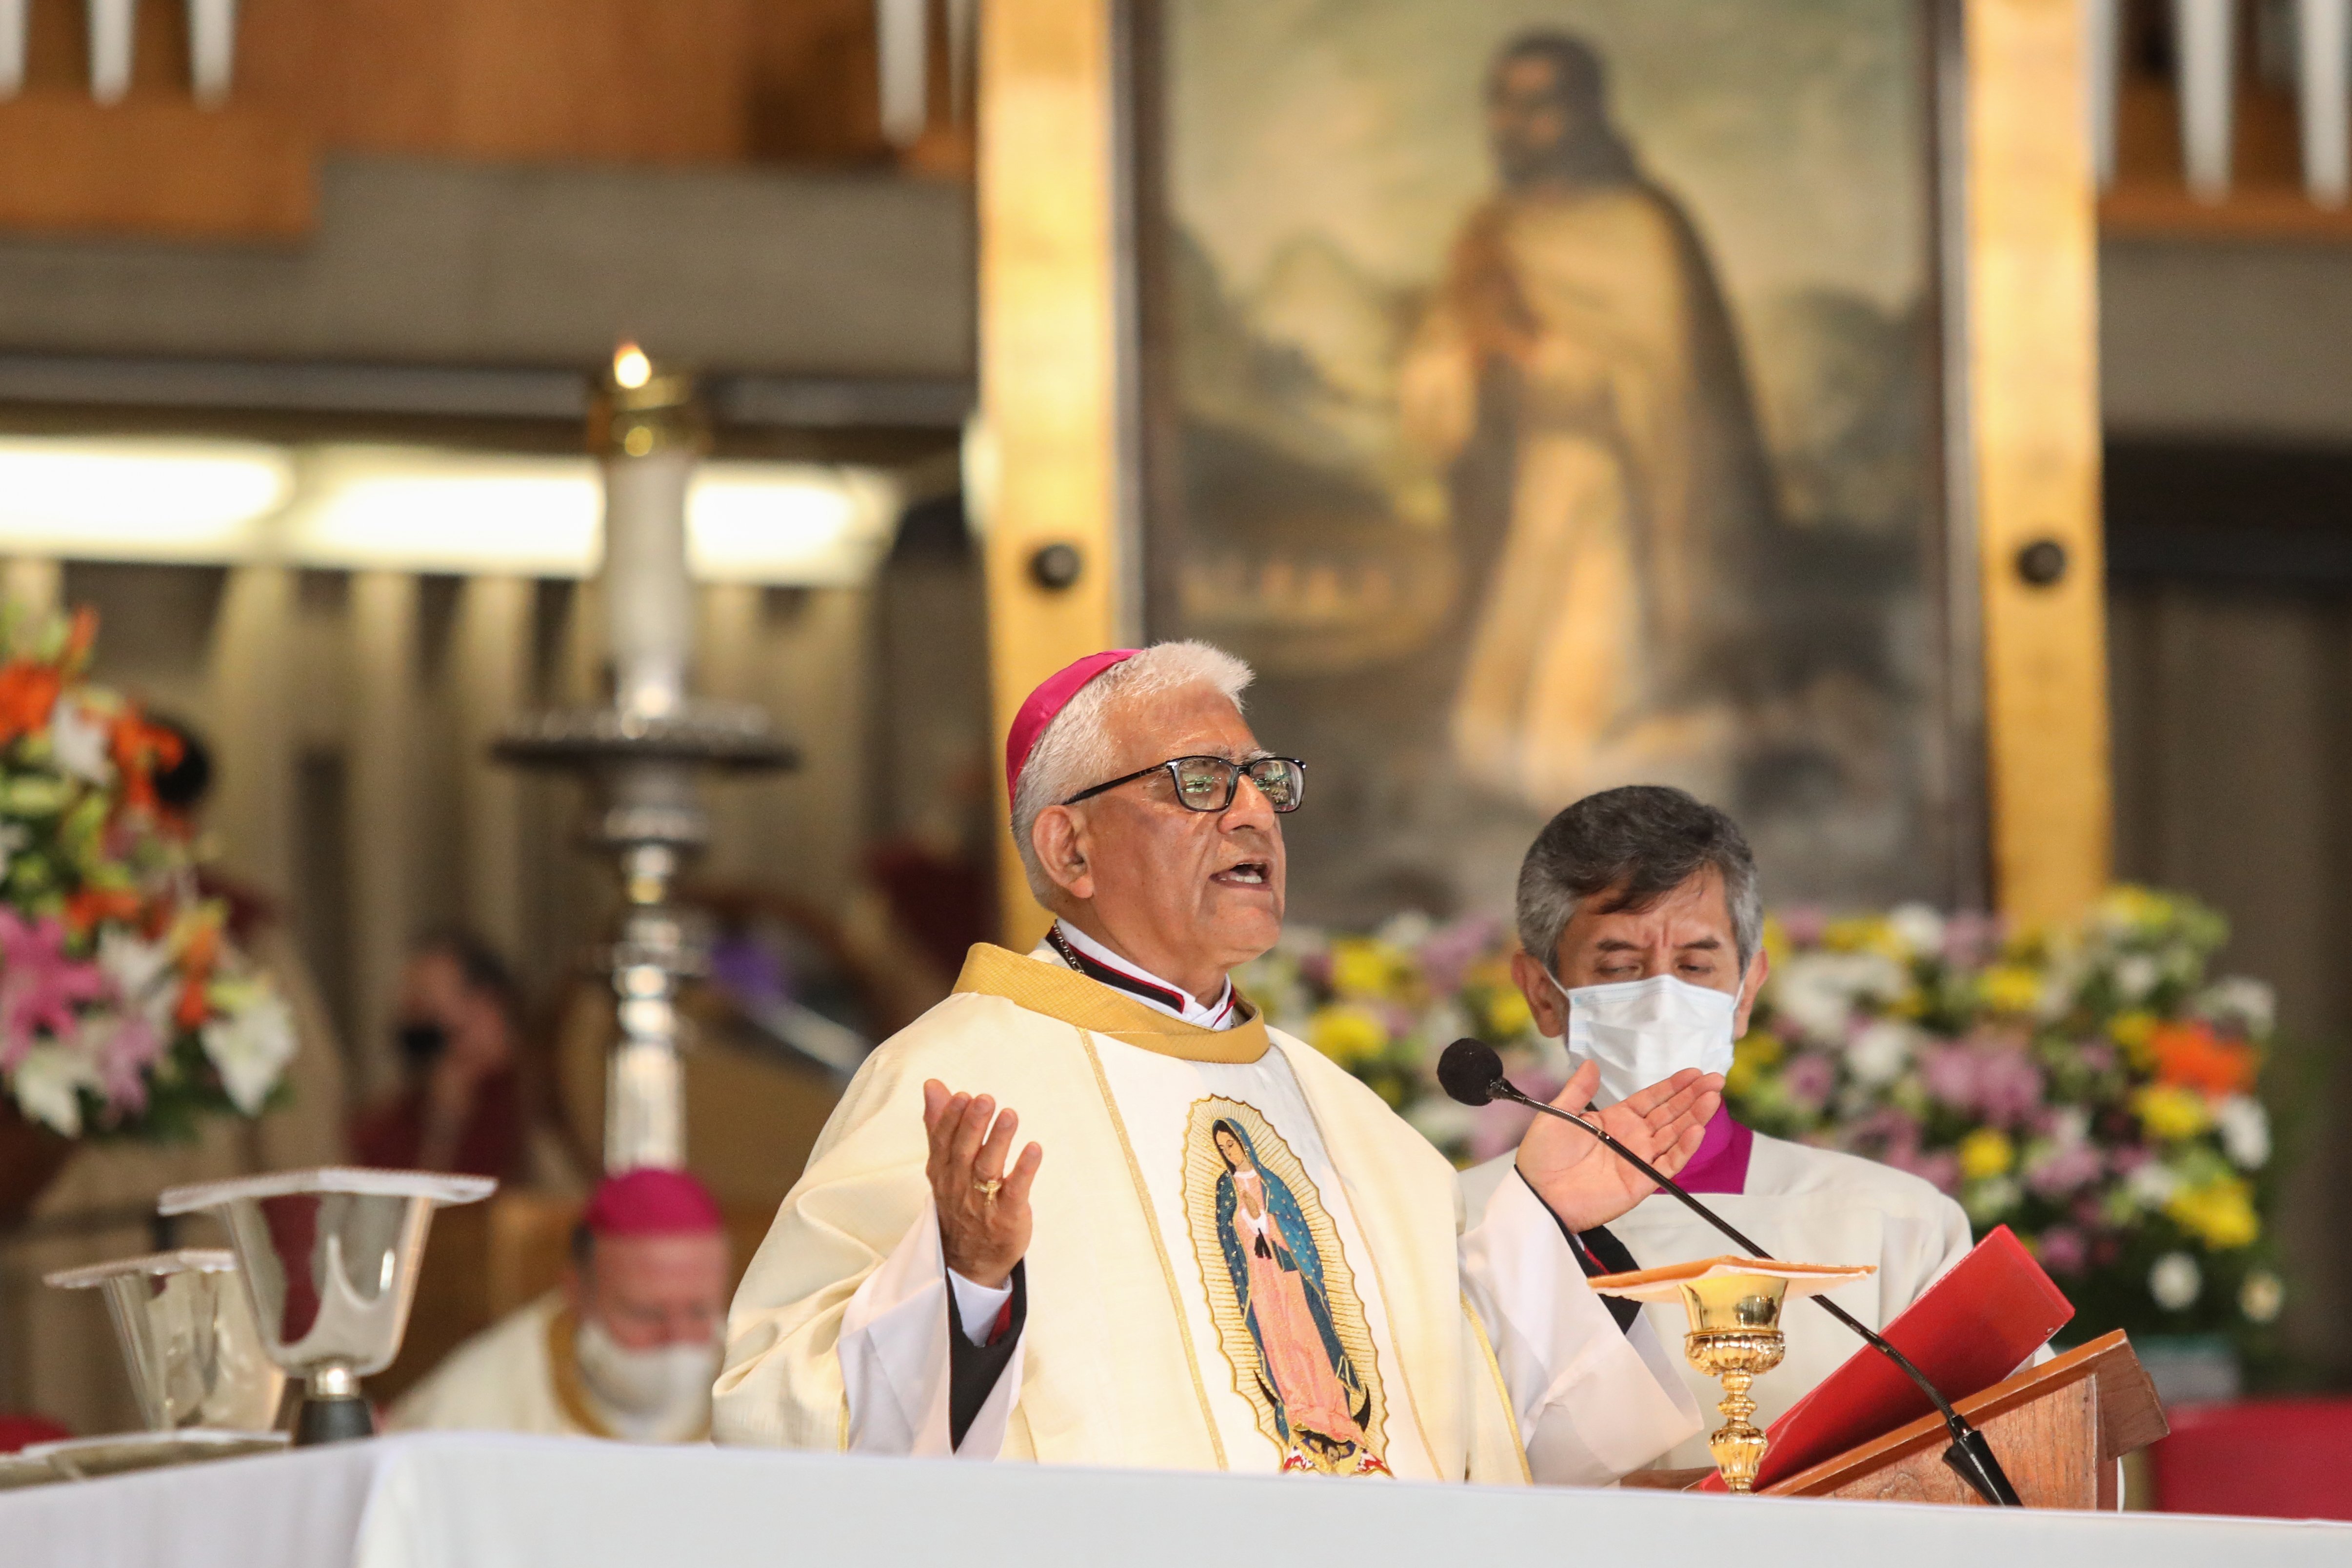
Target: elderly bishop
1091, 1210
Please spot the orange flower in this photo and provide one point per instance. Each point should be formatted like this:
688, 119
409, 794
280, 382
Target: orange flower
194, 1006
140, 748
27, 692
86, 908
2193, 1056
197, 954
81, 633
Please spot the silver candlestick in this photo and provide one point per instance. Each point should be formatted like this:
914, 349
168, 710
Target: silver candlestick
186, 1331
641, 754
330, 1260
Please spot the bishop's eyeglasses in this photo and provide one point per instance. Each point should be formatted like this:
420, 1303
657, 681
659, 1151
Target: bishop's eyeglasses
1210, 783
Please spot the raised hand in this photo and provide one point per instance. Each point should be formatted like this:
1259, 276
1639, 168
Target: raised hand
1587, 1184
983, 1210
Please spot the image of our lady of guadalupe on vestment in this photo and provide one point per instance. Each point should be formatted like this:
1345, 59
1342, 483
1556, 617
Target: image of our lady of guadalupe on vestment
1320, 1403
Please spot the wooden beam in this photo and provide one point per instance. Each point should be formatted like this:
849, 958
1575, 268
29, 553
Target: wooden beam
154, 166
2032, 375
1048, 291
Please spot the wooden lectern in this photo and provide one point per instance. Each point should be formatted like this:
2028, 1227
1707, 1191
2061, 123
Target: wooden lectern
2057, 1428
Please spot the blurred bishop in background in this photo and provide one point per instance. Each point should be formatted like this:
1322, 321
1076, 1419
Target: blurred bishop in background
628, 1346
1644, 906
1221, 1251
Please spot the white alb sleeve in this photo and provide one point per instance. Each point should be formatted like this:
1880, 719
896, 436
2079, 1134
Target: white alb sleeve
1592, 1401
978, 1305
894, 1357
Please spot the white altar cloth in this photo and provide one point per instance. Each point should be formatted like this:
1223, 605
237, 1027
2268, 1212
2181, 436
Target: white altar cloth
468, 1501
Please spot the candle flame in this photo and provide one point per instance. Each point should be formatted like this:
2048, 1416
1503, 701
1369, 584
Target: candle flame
631, 369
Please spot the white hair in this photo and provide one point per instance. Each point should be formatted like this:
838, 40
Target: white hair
1074, 753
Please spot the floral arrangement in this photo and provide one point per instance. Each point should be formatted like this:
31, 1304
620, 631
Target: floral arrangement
2087, 1087
125, 1009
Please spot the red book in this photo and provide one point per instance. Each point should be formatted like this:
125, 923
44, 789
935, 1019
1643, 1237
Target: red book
1972, 1328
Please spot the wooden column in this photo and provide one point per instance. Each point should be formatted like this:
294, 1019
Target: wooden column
491, 653
2031, 248
382, 826
1048, 316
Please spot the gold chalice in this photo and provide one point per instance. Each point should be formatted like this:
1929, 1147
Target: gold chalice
1733, 1307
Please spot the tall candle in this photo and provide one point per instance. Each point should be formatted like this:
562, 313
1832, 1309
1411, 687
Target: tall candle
652, 437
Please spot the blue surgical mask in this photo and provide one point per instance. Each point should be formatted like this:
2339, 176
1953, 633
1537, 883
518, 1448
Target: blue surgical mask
1641, 1031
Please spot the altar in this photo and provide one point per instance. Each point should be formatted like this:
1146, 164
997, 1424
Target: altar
519, 1502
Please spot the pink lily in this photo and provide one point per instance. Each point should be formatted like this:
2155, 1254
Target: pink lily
38, 984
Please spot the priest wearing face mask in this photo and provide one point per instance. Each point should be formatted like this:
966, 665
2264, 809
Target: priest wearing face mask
1220, 1251
626, 1349
1641, 929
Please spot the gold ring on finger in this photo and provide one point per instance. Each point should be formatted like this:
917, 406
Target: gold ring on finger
987, 1190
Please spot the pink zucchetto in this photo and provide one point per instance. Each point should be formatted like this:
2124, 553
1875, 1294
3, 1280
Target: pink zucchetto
649, 1201
1040, 708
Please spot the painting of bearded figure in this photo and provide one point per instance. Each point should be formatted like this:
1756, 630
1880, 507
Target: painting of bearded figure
1554, 396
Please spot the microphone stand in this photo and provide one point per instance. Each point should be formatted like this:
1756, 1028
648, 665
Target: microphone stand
1969, 1456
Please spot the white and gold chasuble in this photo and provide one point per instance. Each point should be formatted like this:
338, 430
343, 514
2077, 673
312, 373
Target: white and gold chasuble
1242, 1259
1281, 1299
521, 1374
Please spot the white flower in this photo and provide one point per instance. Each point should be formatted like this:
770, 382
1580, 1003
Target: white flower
1987, 1200
2245, 1129
78, 738
2069, 1126
2261, 1296
141, 972
2136, 974
1408, 929
1920, 928
2153, 1184
2175, 1281
1879, 1053
1817, 992
1441, 1121
46, 1081
2238, 999
251, 1047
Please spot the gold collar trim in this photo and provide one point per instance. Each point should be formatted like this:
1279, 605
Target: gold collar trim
563, 1373
1067, 994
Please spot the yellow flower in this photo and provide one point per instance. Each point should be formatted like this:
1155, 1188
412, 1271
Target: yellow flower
2133, 1032
1759, 1050
1509, 1013
2172, 1112
1362, 967
1346, 1034
2011, 989
1864, 934
2134, 906
1776, 941
1987, 1152
2219, 1213
1494, 971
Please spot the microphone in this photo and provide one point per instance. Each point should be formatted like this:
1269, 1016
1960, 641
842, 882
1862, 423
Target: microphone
1471, 1073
